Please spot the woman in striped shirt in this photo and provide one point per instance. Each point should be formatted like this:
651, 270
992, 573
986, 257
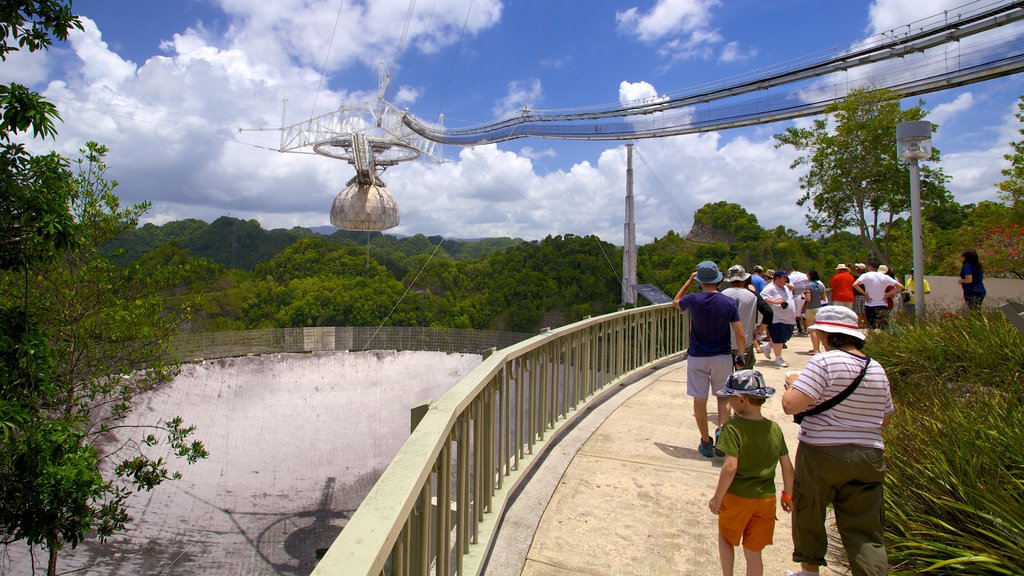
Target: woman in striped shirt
839, 460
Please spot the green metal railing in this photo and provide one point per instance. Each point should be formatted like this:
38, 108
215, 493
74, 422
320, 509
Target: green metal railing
436, 507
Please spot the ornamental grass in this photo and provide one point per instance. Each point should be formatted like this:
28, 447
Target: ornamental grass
954, 499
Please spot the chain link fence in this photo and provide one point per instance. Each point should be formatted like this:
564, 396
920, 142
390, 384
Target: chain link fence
206, 345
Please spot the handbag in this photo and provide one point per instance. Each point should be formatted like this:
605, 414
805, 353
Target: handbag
835, 400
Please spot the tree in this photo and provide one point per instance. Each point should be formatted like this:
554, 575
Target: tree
1011, 190
105, 331
853, 179
730, 218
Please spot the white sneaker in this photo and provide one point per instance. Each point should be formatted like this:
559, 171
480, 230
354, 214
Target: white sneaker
800, 573
766, 349
781, 363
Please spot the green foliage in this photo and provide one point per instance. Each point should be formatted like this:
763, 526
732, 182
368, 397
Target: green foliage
1003, 250
104, 329
954, 491
231, 242
1011, 190
853, 178
32, 25
317, 256
730, 218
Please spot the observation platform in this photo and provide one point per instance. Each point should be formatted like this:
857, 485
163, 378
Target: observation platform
625, 491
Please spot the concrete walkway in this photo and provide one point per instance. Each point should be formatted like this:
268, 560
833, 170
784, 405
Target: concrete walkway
626, 492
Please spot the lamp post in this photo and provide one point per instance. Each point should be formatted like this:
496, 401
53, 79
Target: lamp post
913, 143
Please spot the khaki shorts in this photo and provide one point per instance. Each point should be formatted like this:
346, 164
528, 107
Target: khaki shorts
706, 374
810, 314
751, 518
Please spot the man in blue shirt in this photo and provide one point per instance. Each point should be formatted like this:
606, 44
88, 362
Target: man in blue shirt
709, 359
757, 279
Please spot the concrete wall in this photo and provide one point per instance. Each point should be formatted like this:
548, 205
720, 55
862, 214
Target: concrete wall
207, 345
947, 296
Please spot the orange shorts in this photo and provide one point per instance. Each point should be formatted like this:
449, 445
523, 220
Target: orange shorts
751, 518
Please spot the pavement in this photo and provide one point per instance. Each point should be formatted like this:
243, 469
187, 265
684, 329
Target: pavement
626, 492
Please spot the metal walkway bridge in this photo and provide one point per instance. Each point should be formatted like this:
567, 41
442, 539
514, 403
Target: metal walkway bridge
976, 42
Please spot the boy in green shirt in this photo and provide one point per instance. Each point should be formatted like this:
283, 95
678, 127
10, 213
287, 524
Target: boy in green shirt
745, 498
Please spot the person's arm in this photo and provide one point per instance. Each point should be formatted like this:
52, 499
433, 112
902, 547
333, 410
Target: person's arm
771, 300
763, 307
729, 468
858, 287
741, 340
966, 275
794, 401
788, 480
684, 288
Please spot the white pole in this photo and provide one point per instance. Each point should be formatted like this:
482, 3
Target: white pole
915, 223
629, 233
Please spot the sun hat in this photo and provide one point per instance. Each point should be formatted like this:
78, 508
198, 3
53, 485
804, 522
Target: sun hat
737, 274
837, 320
708, 273
860, 266
746, 383
883, 269
842, 266
758, 268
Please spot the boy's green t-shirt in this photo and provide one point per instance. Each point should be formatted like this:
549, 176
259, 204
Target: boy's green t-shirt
758, 444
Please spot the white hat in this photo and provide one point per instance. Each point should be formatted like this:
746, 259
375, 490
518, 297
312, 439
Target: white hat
883, 269
842, 266
838, 320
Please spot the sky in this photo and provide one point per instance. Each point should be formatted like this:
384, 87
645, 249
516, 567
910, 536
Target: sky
189, 96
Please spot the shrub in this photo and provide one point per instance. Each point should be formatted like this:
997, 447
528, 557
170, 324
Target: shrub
954, 499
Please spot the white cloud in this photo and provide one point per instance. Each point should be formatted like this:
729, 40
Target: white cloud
24, 67
943, 113
682, 26
885, 15
406, 95
732, 52
667, 17
534, 154
520, 95
634, 93
102, 68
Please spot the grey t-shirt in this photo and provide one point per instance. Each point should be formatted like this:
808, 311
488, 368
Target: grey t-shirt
746, 301
817, 289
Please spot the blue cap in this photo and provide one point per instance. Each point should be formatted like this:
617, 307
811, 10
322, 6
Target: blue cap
708, 273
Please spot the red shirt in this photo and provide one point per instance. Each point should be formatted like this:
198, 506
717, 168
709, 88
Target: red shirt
842, 287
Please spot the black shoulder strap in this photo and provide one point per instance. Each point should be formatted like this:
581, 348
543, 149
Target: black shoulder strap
837, 399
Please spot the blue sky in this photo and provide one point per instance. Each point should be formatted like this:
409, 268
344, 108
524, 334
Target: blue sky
167, 85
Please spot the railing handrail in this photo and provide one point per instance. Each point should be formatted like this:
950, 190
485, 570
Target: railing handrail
371, 535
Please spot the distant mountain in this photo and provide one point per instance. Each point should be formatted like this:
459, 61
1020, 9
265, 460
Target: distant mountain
242, 244
229, 241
